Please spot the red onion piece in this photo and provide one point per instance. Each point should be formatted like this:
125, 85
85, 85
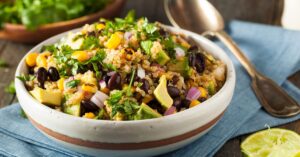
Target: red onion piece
111, 73
127, 35
141, 72
102, 84
193, 94
98, 98
179, 52
170, 111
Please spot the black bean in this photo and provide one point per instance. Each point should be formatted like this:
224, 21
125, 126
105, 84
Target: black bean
88, 106
186, 103
192, 59
201, 99
146, 86
175, 79
106, 78
114, 82
41, 76
31, 71
173, 91
154, 104
193, 49
200, 62
177, 103
53, 74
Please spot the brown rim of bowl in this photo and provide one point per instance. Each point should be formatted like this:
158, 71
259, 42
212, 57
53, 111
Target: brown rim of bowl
111, 6
125, 146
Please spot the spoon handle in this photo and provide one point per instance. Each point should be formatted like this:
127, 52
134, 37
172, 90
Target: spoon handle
271, 96
226, 39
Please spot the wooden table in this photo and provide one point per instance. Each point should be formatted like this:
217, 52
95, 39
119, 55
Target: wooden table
13, 52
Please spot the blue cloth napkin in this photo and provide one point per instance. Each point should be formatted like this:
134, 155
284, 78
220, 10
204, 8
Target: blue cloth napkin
273, 50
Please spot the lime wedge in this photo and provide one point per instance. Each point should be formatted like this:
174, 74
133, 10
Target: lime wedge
272, 143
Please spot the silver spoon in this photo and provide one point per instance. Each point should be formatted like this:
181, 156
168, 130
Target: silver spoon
201, 17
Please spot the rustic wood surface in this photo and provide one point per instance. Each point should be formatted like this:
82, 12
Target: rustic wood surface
264, 11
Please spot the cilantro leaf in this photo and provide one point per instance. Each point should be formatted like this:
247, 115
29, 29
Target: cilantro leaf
89, 43
73, 83
130, 17
25, 78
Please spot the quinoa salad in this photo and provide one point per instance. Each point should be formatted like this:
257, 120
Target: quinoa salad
124, 69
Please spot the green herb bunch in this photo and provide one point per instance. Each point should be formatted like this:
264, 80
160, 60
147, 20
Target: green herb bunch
33, 13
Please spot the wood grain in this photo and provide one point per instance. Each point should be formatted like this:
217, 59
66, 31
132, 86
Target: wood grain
262, 11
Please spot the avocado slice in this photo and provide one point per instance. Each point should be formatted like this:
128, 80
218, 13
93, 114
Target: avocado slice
161, 93
181, 66
48, 97
162, 57
146, 112
72, 109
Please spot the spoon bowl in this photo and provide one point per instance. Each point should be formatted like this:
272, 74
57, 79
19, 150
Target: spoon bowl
202, 17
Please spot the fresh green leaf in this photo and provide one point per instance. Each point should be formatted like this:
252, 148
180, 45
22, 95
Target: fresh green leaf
25, 78
11, 88
33, 13
73, 83
89, 43
147, 45
128, 92
130, 17
115, 97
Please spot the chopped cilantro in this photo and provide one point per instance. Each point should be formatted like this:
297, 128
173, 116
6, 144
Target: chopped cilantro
115, 97
128, 92
73, 83
25, 78
89, 43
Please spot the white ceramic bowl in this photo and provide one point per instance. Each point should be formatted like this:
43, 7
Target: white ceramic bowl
129, 138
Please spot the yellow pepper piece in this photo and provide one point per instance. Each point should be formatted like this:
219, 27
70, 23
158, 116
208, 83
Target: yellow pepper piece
114, 41
100, 26
89, 88
81, 56
89, 115
203, 92
41, 59
60, 84
194, 103
31, 59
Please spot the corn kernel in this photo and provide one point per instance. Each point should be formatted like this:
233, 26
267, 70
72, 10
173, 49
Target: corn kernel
194, 103
185, 44
203, 92
60, 84
105, 90
128, 57
100, 26
147, 99
41, 59
81, 56
31, 59
89, 115
114, 41
89, 88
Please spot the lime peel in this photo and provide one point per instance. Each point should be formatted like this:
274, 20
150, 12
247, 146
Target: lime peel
272, 143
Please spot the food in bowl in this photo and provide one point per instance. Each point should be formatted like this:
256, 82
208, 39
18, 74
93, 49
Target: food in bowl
124, 69
29, 12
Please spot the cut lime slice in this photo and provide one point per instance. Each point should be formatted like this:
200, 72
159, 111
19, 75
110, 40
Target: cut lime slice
272, 143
